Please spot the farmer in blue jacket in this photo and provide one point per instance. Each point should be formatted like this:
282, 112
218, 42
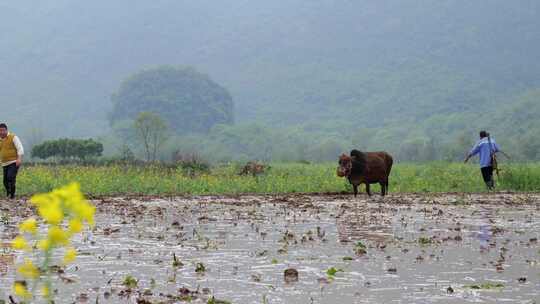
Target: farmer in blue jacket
486, 148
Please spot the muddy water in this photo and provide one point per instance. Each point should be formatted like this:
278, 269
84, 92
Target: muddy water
418, 249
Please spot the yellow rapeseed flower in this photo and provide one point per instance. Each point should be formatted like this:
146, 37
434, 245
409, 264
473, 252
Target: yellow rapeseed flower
70, 256
44, 245
52, 213
29, 225
20, 243
28, 270
66, 203
45, 291
42, 199
85, 211
20, 290
88, 211
71, 195
75, 226
57, 236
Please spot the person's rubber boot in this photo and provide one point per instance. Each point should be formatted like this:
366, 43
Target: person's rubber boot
12, 196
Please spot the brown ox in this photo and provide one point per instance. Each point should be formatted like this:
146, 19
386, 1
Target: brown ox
366, 168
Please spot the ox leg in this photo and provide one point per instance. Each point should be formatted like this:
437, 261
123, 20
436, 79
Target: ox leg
355, 189
368, 190
383, 188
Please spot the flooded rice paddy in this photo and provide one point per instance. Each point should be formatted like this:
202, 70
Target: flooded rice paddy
451, 248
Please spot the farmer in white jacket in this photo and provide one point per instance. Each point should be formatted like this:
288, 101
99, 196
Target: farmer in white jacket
11, 155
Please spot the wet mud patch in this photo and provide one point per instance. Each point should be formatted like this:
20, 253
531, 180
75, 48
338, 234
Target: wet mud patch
445, 248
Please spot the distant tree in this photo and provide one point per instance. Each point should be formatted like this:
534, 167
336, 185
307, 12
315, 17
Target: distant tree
151, 132
66, 148
126, 136
187, 100
126, 154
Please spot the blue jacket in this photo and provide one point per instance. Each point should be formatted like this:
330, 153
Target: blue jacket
485, 151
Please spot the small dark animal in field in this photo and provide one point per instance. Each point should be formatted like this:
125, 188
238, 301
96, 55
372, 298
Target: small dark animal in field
366, 168
253, 168
291, 275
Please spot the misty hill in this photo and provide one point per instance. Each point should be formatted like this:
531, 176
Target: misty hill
392, 70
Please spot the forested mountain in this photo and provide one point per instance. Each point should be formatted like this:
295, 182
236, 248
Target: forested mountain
418, 78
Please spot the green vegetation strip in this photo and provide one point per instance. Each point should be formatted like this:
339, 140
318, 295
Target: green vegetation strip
280, 178
485, 286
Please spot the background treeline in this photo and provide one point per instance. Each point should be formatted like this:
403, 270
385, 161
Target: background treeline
514, 127
65, 148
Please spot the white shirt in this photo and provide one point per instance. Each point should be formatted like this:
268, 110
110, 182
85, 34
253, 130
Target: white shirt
18, 147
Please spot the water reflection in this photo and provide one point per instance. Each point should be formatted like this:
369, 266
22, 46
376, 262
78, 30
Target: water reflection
484, 233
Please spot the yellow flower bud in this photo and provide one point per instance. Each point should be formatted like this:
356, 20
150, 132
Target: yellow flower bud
70, 195
20, 290
30, 225
44, 245
41, 199
75, 226
20, 243
86, 212
57, 236
45, 291
28, 270
52, 213
70, 256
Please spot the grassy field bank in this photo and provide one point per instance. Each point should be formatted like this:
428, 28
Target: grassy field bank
280, 178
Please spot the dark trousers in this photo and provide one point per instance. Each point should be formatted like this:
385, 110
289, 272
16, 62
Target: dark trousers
487, 174
10, 179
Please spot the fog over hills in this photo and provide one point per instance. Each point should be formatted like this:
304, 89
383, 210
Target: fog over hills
396, 70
